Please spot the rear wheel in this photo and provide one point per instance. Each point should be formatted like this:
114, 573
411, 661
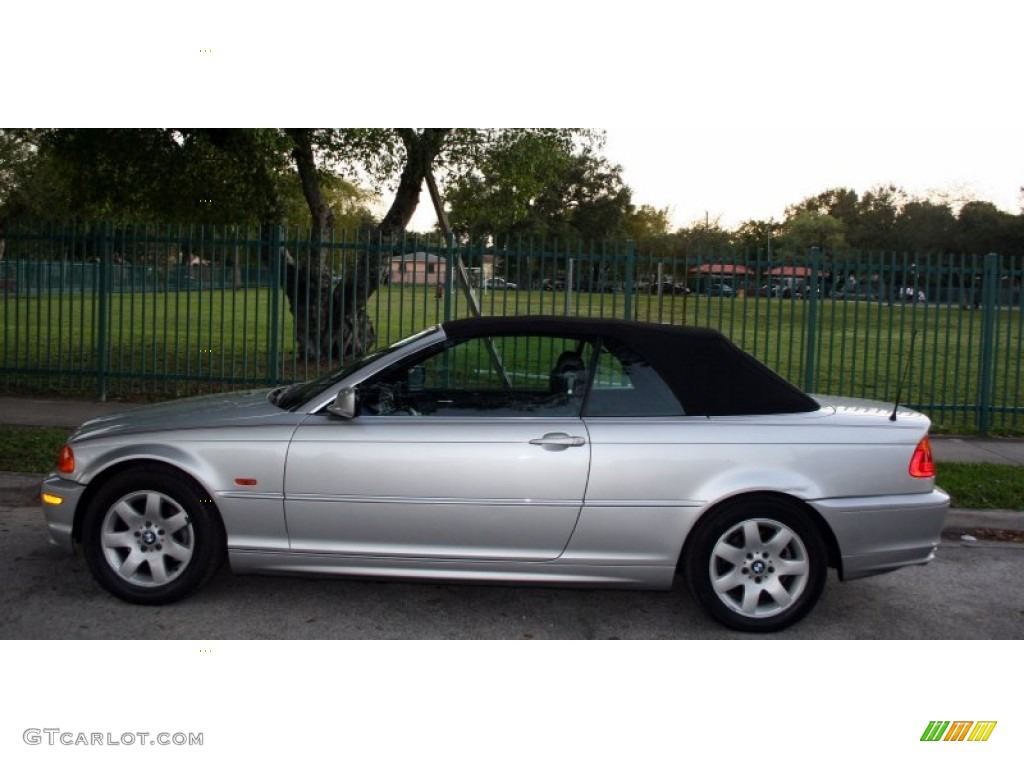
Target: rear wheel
150, 536
757, 564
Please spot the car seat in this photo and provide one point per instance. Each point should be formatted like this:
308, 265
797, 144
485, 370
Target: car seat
569, 375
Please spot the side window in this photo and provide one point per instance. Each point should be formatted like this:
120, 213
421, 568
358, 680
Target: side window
611, 373
492, 376
625, 385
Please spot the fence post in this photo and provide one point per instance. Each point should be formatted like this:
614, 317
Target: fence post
568, 287
449, 275
660, 294
989, 287
630, 279
101, 317
812, 322
275, 304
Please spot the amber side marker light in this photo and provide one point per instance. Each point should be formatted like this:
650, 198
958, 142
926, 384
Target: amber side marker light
66, 461
921, 463
49, 498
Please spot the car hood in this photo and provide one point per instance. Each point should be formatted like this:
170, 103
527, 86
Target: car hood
206, 411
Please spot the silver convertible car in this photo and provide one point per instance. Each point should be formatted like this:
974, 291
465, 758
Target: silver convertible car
529, 450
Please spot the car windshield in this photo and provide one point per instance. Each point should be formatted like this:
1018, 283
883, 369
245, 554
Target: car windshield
291, 396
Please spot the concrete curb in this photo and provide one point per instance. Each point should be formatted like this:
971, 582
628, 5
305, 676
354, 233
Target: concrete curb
996, 519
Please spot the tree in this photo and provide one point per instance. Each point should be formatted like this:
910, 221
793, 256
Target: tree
925, 227
703, 238
647, 224
540, 185
589, 201
258, 175
840, 203
239, 173
874, 226
982, 228
758, 236
381, 155
18, 161
26, 186
812, 229
168, 175
499, 195
330, 318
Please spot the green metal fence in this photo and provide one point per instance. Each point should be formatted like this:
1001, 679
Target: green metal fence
147, 311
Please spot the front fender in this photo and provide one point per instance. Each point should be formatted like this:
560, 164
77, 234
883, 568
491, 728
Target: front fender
247, 487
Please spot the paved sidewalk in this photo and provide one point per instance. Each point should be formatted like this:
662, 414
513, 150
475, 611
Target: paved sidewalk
32, 412
977, 450
71, 413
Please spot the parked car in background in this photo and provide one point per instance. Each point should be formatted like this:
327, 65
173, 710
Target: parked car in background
720, 289
500, 284
512, 450
855, 294
783, 288
549, 284
668, 288
766, 291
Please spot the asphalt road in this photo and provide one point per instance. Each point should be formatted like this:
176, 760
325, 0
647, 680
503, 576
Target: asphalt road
968, 592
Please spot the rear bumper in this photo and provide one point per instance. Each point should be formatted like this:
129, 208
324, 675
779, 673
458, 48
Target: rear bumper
60, 518
877, 534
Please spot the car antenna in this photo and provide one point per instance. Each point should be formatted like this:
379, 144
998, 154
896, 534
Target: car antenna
903, 378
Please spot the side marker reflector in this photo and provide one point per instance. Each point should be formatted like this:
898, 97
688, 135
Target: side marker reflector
66, 460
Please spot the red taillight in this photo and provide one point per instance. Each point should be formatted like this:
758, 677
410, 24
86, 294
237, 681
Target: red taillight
921, 463
66, 461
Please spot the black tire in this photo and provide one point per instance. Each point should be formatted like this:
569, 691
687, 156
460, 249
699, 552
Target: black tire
151, 536
756, 564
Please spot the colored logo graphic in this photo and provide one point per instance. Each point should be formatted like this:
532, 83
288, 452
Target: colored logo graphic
959, 730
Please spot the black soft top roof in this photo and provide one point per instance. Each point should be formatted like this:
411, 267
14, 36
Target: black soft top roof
709, 374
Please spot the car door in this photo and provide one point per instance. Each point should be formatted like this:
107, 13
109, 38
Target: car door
474, 450
638, 505
638, 432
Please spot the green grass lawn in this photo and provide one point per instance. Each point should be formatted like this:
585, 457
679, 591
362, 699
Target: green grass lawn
972, 486
170, 344
983, 486
30, 449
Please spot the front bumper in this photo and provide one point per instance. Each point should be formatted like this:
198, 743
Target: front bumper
60, 518
882, 533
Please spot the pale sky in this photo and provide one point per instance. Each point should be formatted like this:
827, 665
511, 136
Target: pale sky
735, 177
740, 109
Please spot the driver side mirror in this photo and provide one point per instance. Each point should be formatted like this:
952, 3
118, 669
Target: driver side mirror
345, 404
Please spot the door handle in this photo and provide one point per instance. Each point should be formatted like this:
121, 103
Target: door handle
558, 441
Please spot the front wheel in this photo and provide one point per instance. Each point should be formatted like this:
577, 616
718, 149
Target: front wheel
757, 565
149, 536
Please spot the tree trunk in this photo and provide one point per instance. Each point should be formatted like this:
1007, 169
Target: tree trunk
421, 150
308, 279
334, 320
